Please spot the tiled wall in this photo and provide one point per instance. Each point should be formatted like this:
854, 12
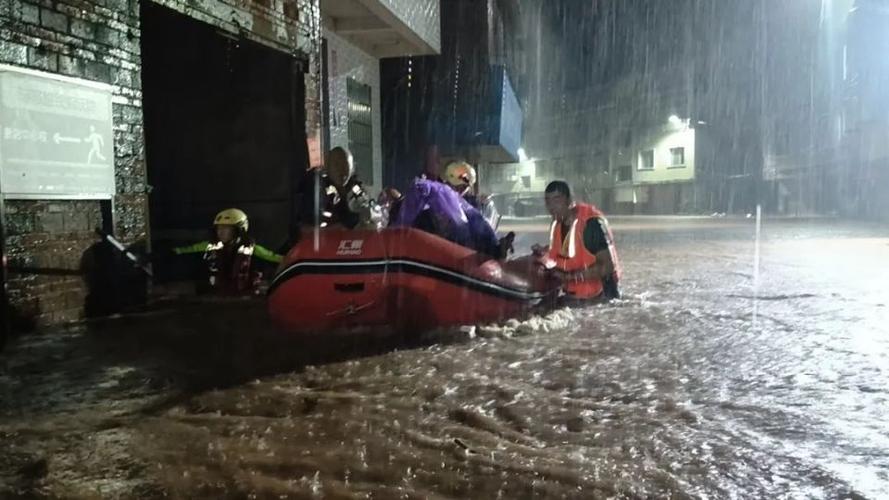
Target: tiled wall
347, 61
422, 16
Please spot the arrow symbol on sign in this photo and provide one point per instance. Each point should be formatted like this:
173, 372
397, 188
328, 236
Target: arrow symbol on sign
58, 139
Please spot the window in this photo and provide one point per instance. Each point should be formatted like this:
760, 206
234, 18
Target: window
646, 160
360, 129
627, 138
600, 160
677, 156
845, 62
545, 170
625, 173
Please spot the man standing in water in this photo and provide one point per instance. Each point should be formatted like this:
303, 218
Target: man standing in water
581, 250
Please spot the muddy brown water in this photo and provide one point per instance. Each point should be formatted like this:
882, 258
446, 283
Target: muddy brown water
697, 384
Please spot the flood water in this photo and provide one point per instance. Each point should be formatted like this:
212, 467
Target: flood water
709, 379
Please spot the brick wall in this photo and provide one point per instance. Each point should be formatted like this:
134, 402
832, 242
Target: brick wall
93, 40
45, 241
99, 40
288, 25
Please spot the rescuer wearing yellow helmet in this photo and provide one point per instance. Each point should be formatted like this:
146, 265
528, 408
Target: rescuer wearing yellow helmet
230, 254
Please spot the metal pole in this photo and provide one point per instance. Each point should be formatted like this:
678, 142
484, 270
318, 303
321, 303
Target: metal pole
4, 299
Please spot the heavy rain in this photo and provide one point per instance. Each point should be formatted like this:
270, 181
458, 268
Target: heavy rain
444, 249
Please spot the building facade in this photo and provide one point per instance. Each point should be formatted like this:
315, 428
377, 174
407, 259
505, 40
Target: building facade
603, 97
358, 35
651, 172
824, 120
46, 235
212, 104
864, 180
463, 103
656, 175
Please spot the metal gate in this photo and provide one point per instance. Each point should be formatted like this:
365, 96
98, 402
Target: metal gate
361, 129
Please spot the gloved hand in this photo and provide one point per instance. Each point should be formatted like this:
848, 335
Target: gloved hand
538, 250
506, 245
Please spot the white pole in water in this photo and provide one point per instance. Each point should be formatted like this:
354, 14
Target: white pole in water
756, 266
318, 215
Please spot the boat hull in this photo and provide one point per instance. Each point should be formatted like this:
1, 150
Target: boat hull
397, 278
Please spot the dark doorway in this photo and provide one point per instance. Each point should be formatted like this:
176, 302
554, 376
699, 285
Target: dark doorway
224, 127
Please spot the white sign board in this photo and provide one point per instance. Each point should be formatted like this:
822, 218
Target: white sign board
56, 136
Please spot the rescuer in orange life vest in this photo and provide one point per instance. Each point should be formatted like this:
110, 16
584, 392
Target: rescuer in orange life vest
581, 250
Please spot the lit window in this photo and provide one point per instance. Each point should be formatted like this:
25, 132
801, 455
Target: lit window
646, 160
677, 156
625, 173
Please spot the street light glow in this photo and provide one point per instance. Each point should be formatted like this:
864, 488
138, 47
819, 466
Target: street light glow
522, 155
675, 120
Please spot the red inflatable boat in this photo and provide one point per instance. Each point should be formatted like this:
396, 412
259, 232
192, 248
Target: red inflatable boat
401, 278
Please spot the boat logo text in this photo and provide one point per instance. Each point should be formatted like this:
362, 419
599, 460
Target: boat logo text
350, 247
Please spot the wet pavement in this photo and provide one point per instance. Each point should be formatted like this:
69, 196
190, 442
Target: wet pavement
709, 379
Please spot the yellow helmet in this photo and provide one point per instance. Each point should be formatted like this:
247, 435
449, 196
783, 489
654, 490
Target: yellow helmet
232, 217
459, 174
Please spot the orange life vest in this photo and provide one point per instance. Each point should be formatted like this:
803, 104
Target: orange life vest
570, 254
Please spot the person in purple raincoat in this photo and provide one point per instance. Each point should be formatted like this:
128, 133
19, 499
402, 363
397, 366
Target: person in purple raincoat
436, 208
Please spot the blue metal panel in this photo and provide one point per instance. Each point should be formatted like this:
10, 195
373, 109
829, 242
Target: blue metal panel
510, 117
481, 114
490, 119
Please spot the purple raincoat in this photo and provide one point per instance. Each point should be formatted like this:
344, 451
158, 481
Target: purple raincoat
459, 221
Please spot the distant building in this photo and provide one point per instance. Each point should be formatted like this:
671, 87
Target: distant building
759, 84
865, 113
600, 112
647, 172
825, 120
656, 174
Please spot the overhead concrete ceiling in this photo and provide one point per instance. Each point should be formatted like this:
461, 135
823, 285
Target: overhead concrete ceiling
373, 27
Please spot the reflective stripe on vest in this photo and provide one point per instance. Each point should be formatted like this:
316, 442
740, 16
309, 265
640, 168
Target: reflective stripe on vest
240, 277
568, 245
570, 253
